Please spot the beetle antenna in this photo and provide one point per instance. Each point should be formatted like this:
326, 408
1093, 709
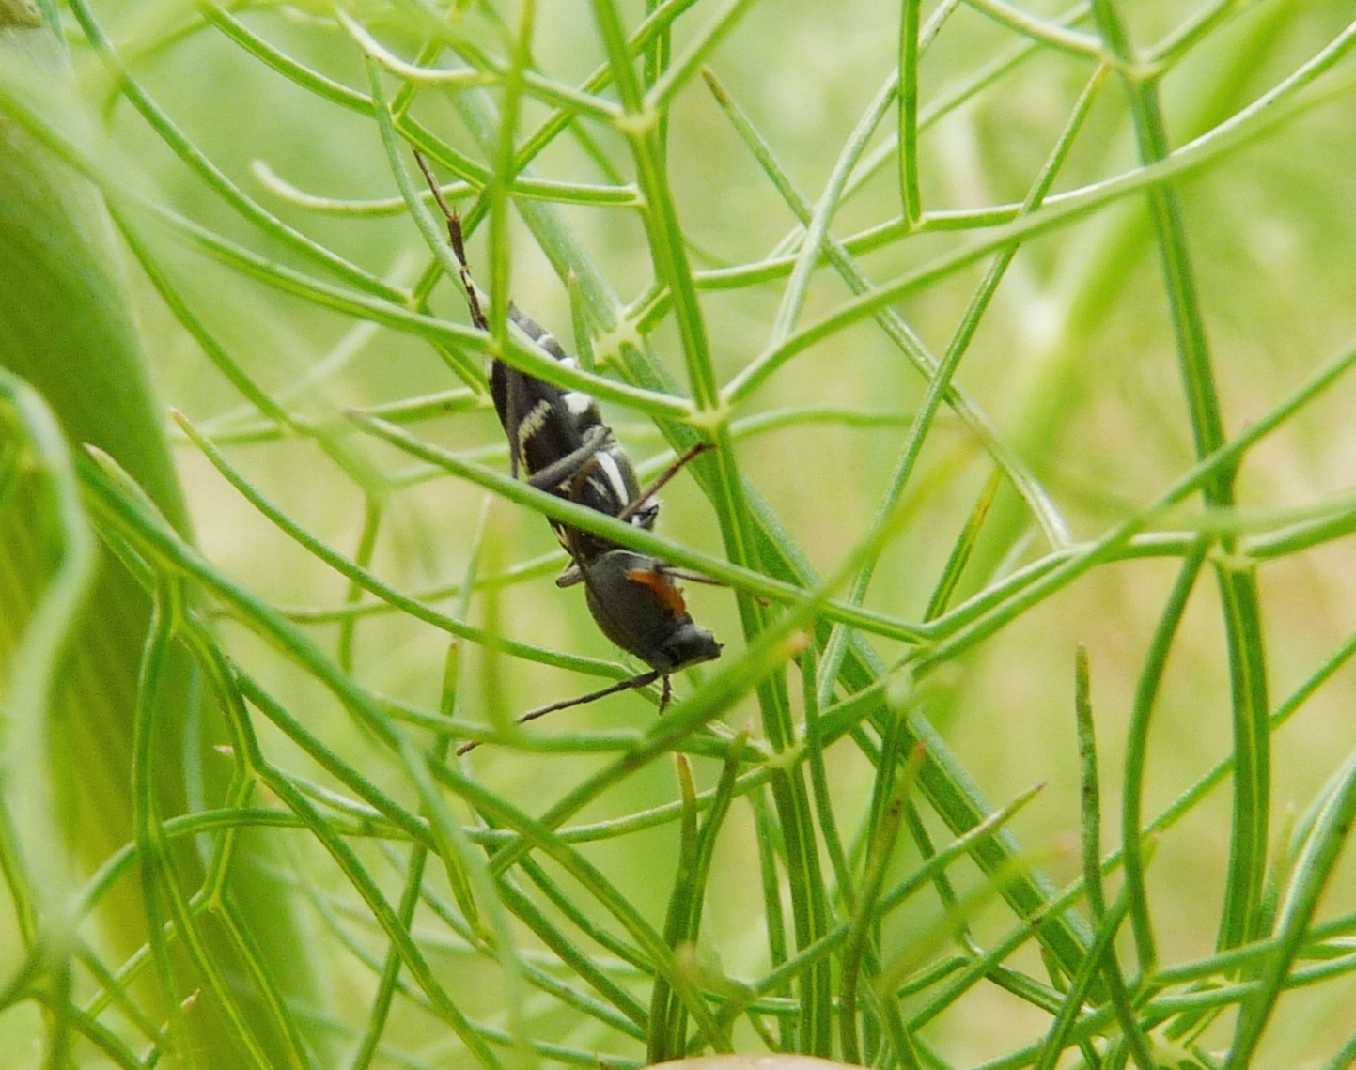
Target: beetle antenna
454, 237
633, 684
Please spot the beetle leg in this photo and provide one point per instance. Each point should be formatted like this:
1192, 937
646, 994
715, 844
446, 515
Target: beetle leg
672, 470
696, 577
690, 577
573, 574
569, 466
574, 571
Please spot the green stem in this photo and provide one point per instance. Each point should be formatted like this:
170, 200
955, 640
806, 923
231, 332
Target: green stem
1238, 590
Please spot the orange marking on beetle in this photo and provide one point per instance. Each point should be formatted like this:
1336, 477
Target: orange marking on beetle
668, 594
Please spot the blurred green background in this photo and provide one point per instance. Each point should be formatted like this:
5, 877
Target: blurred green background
1074, 364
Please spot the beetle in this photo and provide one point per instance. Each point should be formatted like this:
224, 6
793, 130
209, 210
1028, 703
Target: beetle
559, 443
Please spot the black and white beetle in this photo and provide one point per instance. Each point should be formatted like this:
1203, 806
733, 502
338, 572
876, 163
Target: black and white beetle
559, 443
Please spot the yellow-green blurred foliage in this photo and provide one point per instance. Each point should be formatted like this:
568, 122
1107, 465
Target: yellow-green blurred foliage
1074, 364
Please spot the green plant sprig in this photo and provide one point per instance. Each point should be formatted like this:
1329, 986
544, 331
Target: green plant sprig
524, 901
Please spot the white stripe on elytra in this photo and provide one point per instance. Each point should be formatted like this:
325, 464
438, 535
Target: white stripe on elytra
533, 421
608, 464
578, 403
553, 349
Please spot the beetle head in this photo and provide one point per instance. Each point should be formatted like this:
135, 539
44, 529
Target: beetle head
686, 645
